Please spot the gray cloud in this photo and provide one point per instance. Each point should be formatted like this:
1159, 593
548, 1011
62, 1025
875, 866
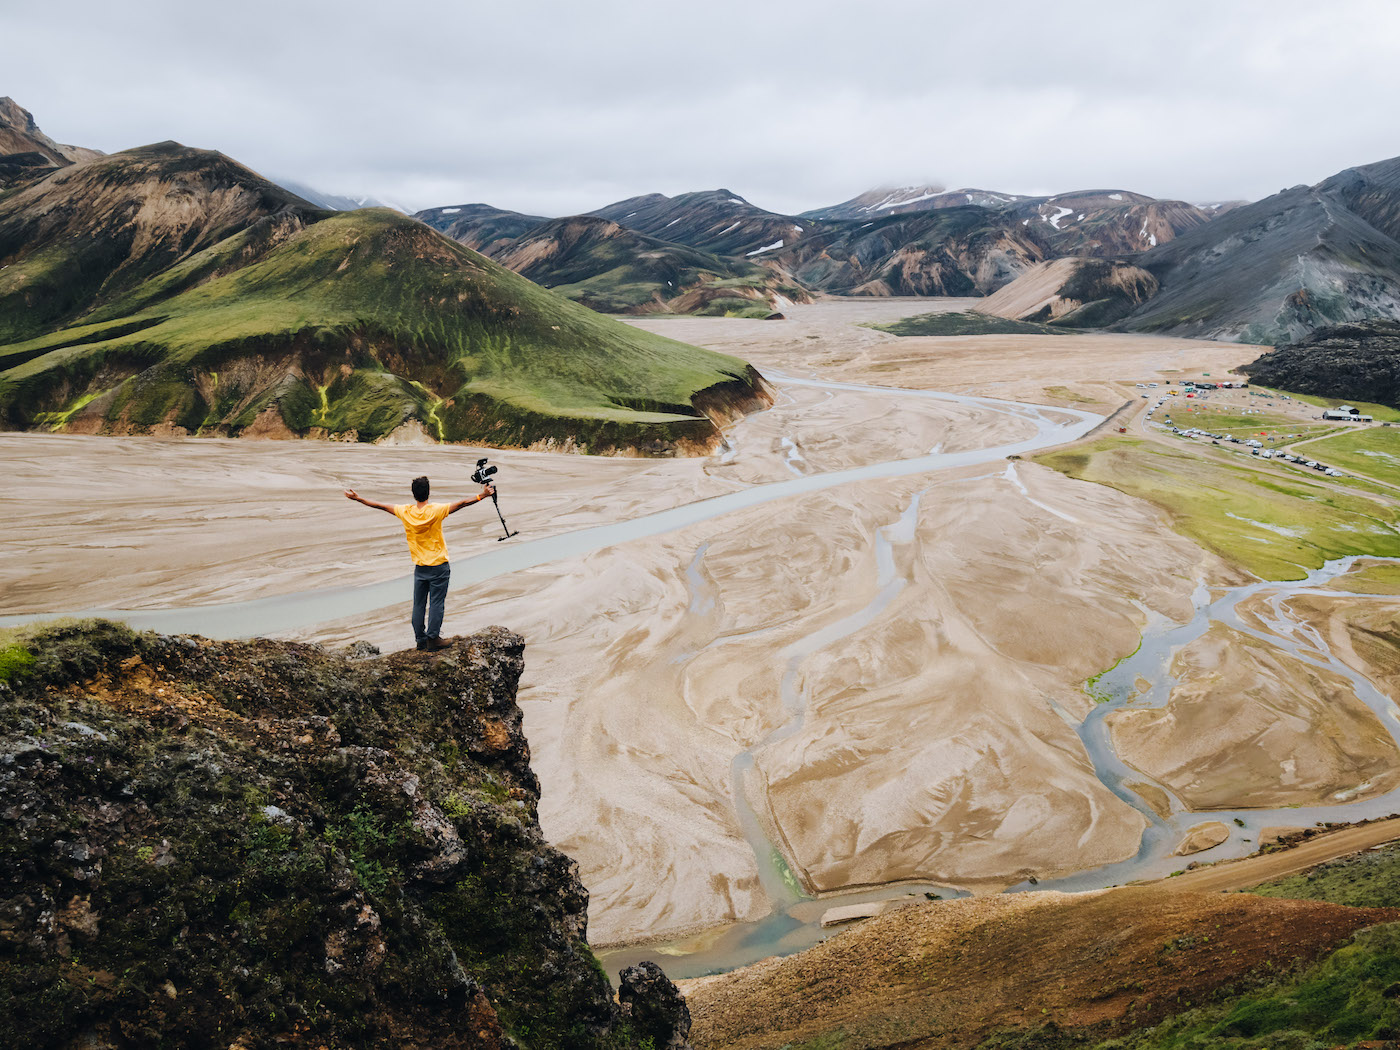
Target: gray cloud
556, 108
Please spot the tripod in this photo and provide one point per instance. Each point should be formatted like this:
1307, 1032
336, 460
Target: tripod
504, 526
482, 476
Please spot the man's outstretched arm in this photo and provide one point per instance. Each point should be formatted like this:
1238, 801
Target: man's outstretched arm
351, 494
486, 491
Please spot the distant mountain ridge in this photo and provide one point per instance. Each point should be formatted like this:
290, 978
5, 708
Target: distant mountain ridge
481, 227
915, 240
571, 256
717, 221
334, 201
1276, 270
616, 265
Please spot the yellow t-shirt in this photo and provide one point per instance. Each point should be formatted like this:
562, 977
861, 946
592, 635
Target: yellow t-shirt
423, 527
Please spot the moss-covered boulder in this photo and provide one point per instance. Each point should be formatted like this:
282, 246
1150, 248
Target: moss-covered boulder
266, 843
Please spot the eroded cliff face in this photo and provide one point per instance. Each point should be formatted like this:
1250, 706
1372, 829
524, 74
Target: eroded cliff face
266, 843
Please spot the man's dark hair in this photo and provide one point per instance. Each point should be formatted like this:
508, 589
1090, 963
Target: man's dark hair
420, 488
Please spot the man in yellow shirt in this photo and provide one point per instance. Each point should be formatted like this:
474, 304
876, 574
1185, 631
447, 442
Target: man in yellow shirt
422, 524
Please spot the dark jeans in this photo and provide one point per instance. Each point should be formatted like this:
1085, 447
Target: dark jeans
429, 595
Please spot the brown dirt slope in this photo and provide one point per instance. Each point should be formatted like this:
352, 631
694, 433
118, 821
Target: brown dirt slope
947, 974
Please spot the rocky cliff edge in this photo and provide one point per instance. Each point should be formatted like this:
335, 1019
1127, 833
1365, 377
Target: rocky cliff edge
266, 843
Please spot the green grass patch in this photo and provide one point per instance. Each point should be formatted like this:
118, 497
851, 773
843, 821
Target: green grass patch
966, 323
1276, 528
735, 306
1370, 578
1095, 687
1208, 417
1370, 879
1382, 413
15, 660
1373, 452
1064, 393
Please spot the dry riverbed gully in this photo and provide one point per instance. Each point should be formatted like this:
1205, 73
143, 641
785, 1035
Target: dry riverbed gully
846, 655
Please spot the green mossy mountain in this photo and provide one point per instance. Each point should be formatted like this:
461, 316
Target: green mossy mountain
263, 844
173, 290
950, 323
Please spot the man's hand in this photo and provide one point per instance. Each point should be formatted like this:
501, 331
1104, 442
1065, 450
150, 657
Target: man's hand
488, 490
351, 494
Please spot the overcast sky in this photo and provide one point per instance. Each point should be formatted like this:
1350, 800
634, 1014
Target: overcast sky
556, 108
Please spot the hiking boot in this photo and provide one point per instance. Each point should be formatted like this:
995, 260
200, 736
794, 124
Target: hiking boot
432, 645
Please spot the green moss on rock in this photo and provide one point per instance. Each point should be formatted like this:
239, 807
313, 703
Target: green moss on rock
264, 843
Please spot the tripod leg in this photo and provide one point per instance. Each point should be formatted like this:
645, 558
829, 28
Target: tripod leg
495, 503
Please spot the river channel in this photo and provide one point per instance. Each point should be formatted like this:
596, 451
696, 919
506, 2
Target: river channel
794, 922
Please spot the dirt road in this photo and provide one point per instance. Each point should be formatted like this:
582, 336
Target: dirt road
1251, 871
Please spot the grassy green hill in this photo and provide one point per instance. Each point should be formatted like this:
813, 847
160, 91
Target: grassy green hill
966, 323
303, 322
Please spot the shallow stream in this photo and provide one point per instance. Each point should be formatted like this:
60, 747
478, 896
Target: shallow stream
794, 922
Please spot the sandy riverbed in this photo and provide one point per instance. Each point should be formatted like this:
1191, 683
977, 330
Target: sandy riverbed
937, 741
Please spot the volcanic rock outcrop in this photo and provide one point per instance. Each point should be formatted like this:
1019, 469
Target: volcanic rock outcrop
1357, 362
264, 843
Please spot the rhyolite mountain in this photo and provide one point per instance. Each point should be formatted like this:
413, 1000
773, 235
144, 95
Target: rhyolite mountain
1306, 258
261, 844
1104, 223
896, 242
891, 200
918, 240
1072, 292
481, 227
945, 251
717, 221
25, 151
1097, 223
173, 290
613, 269
616, 270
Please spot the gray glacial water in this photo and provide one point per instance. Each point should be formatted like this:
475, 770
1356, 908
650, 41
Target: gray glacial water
783, 931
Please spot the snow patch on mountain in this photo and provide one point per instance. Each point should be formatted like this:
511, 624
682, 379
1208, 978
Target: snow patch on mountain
900, 197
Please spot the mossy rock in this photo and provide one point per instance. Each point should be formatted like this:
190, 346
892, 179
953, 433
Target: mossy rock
260, 843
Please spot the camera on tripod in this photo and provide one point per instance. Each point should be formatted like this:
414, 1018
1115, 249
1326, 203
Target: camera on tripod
482, 474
